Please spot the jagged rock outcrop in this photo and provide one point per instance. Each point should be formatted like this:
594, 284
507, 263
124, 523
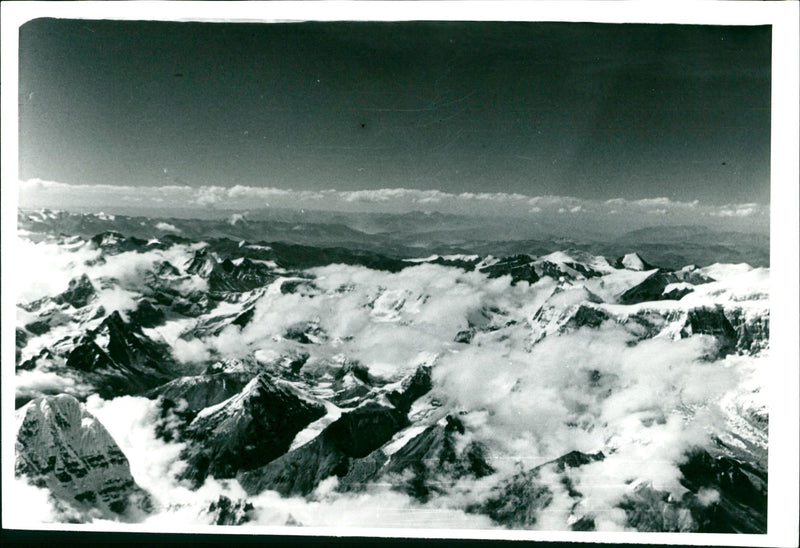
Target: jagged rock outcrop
652, 289
202, 263
351, 385
147, 315
79, 292
711, 321
31, 363
566, 268
633, 261
119, 359
348, 444
752, 330
202, 391
224, 511
20, 341
692, 274
228, 276
519, 267
664, 285
725, 495
243, 319
567, 310
63, 447
247, 275
113, 243
165, 269
248, 430
583, 316
412, 388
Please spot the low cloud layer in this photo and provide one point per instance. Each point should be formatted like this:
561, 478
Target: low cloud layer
38, 193
644, 402
62, 265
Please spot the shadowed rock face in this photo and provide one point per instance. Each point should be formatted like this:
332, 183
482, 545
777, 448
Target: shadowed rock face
113, 243
711, 321
434, 459
63, 447
651, 289
79, 292
740, 505
119, 359
298, 472
147, 315
202, 391
247, 275
725, 495
353, 436
248, 430
226, 275
413, 387
361, 431
519, 267
752, 333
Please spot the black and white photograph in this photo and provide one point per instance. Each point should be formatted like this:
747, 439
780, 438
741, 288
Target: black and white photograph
274, 268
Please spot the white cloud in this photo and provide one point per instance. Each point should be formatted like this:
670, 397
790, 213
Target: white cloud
62, 265
167, 227
33, 506
33, 383
649, 202
706, 496
210, 195
236, 218
191, 351
37, 193
742, 210
493, 197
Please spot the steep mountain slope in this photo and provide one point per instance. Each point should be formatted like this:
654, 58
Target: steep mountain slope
247, 430
119, 359
63, 447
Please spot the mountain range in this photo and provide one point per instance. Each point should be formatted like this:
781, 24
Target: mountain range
535, 384
417, 233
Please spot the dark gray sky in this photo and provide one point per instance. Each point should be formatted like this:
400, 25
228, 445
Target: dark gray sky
595, 111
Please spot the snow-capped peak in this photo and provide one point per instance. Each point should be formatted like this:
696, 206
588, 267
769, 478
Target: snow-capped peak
632, 261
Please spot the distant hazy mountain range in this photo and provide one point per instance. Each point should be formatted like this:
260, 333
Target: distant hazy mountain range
418, 234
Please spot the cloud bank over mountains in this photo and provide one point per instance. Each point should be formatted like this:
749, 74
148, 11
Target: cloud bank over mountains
40, 193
